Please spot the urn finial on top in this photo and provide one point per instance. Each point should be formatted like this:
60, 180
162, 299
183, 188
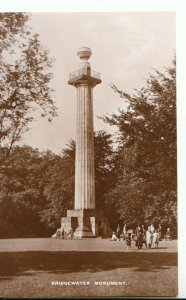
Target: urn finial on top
84, 53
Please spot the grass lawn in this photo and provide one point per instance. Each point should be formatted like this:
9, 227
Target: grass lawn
27, 271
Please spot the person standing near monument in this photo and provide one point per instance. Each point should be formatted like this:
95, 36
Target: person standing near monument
128, 240
118, 231
139, 237
149, 237
144, 235
160, 231
125, 230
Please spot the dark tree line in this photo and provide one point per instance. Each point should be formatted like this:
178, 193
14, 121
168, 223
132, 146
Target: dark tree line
41, 187
135, 181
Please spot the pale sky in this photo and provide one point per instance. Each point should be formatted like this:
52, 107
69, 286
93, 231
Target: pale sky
125, 47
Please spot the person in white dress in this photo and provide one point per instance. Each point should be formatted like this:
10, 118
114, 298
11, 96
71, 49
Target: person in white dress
149, 237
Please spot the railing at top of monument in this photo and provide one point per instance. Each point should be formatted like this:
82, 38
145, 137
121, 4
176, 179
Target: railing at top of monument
84, 71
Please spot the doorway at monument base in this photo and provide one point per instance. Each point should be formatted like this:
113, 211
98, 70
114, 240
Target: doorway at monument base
86, 223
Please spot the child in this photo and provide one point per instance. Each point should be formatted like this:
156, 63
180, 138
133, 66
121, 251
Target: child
128, 241
156, 238
132, 235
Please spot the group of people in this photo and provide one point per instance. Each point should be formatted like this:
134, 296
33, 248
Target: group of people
61, 233
147, 237
141, 236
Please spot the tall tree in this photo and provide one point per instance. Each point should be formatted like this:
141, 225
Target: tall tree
146, 188
25, 78
59, 188
104, 167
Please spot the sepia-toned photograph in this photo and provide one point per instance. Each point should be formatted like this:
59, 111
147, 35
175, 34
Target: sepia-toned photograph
88, 154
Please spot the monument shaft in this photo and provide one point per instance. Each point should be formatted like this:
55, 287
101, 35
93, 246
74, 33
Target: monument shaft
84, 165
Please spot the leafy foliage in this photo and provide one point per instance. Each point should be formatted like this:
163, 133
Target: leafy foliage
59, 188
104, 167
146, 158
25, 78
21, 196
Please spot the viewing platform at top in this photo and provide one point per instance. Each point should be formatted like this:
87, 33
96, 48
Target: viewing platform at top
84, 74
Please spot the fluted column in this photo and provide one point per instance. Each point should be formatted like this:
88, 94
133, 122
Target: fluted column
84, 80
84, 219
84, 165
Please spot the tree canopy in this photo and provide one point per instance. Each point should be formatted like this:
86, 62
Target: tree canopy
24, 82
146, 157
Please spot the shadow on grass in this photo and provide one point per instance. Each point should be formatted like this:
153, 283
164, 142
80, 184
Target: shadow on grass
27, 263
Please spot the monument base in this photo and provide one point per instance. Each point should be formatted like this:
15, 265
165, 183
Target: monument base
86, 223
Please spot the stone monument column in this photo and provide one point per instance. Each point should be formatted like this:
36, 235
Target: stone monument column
84, 81
85, 220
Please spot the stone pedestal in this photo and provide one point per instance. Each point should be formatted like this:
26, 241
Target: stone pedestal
86, 223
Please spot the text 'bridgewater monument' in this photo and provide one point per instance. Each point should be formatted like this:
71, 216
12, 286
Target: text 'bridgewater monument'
85, 220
